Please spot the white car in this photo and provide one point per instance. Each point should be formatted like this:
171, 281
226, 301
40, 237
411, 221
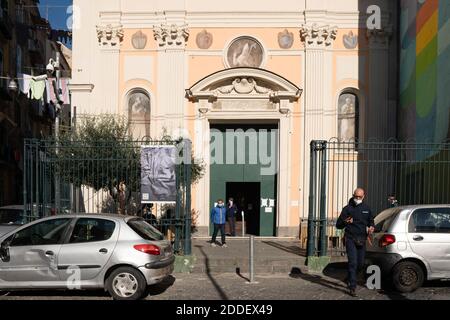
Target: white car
122, 254
411, 244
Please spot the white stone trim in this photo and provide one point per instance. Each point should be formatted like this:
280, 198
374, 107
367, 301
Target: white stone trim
81, 87
286, 94
345, 19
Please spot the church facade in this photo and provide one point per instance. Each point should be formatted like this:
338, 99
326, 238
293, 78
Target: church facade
251, 83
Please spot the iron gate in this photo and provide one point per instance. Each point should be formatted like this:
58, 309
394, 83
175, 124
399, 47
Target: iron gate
417, 173
80, 177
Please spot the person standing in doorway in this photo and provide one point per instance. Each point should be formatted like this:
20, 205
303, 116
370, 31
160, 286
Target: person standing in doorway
218, 218
392, 201
357, 220
231, 216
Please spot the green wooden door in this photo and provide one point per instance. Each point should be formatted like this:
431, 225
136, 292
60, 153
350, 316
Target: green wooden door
249, 168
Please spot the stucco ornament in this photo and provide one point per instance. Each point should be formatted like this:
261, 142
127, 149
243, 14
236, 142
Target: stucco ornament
285, 39
171, 36
204, 39
243, 86
318, 36
110, 35
139, 40
245, 52
379, 36
350, 40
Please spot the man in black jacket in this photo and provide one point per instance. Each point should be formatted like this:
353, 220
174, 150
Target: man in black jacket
357, 219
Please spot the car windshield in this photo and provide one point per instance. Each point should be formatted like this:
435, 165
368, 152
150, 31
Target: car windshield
145, 230
10, 216
384, 220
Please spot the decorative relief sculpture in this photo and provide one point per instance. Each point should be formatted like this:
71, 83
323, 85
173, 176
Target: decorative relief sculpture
110, 35
379, 36
171, 36
318, 36
139, 40
245, 52
204, 39
285, 39
350, 41
244, 86
347, 115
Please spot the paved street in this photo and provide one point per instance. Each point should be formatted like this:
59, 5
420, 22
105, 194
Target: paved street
234, 287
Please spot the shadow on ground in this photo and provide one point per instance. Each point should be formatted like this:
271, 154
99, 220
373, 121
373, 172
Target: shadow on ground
287, 248
151, 290
221, 293
161, 287
296, 273
57, 293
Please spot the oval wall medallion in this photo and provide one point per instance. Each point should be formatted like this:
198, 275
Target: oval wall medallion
244, 52
139, 40
204, 39
285, 39
350, 40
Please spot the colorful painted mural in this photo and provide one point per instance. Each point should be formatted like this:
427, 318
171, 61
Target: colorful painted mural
425, 70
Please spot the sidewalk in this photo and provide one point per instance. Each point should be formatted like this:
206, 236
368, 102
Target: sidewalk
271, 256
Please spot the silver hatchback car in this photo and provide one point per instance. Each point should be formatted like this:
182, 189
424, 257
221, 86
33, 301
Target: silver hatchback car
122, 254
412, 244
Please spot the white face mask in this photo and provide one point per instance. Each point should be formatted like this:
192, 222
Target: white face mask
357, 201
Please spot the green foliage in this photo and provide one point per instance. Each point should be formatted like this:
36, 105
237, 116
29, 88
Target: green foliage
101, 153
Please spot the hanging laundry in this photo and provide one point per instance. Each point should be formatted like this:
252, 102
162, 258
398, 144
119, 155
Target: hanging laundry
37, 88
51, 90
65, 93
24, 83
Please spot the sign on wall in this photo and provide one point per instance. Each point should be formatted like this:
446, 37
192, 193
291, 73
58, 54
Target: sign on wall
158, 179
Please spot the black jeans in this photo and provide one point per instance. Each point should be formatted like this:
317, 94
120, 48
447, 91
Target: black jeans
356, 257
232, 223
216, 230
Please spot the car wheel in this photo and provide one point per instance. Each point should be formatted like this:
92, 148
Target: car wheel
407, 276
126, 283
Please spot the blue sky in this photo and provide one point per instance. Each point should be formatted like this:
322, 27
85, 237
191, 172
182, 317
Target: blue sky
56, 12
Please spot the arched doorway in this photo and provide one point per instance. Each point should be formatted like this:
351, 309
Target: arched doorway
242, 131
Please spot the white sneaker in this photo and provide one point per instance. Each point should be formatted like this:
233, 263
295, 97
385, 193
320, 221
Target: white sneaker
224, 245
213, 244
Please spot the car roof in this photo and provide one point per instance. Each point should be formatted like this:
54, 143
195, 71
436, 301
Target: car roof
94, 215
418, 206
12, 207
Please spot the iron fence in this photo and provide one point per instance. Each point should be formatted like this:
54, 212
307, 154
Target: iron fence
417, 173
103, 177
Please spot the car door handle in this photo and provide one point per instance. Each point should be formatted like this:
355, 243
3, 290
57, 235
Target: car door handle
103, 250
418, 238
49, 253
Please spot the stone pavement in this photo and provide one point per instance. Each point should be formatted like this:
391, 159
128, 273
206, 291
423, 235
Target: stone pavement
280, 274
271, 256
227, 286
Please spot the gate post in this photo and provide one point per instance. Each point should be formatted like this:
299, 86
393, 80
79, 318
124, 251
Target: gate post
315, 262
323, 202
312, 202
187, 182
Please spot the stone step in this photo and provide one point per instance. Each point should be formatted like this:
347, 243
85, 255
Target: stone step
245, 262
244, 270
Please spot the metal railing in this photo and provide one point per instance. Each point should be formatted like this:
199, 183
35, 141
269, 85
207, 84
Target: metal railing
417, 173
88, 177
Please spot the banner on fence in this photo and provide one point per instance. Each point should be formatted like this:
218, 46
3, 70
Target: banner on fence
158, 179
